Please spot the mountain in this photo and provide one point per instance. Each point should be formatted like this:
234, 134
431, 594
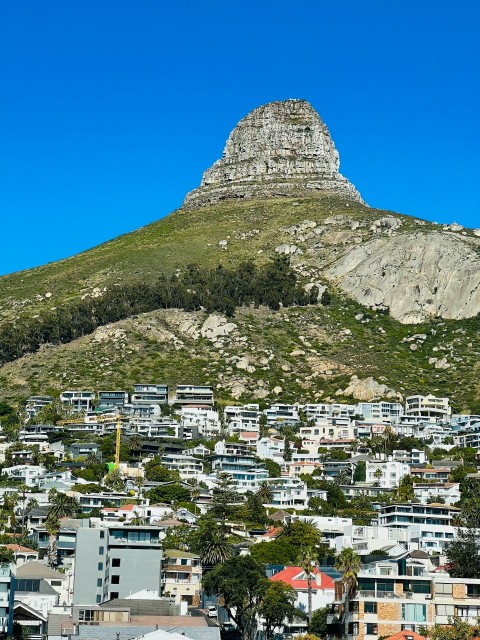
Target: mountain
405, 293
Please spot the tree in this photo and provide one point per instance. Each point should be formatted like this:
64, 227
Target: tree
265, 493
278, 606
214, 548
464, 554
169, 493
6, 556
137, 519
273, 468
287, 452
348, 563
222, 498
318, 623
360, 474
458, 629
114, 480
308, 563
63, 506
135, 442
52, 526
256, 510
241, 582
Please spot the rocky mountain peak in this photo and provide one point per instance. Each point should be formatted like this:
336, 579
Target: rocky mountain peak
279, 149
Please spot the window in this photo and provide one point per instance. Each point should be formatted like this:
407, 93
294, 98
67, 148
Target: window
85, 615
462, 612
473, 590
443, 589
102, 534
370, 607
414, 612
115, 579
56, 583
371, 629
445, 610
115, 562
113, 595
101, 551
98, 599
353, 606
100, 566
99, 582
353, 628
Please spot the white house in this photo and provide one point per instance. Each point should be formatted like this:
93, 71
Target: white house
386, 473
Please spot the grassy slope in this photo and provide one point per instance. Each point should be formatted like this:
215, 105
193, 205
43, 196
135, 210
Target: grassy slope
144, 353
180, 238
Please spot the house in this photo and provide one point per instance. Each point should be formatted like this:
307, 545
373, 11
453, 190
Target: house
42, 587
282, 414
205, 420
386, 473
188, 467
149, 394
35, 404
406, 514
22, 554
28, 474
182, 576
112, 399
448, 492
287, 493
323, 586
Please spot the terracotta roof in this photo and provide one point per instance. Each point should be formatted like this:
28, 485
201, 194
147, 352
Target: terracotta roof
126, 507
294, 576
273, 533
18, 547
403, 635
249, 434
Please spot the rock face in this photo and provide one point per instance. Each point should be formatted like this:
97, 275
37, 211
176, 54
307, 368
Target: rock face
416, 275
279, 149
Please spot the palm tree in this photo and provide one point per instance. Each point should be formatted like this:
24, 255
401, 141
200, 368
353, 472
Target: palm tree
214, 549
265, 492
52, 525
137, 519
135, 442
308, 561
63, 506
349, 564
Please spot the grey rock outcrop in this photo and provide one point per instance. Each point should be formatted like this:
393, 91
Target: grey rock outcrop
416, 275
279, 149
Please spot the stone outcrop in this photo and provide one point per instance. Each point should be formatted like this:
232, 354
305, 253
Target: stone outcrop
416, 275
279, 149
367, 389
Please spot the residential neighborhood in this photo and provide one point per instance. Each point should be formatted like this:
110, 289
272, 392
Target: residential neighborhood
131, 505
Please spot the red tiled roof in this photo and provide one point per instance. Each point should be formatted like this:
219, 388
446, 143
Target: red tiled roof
292, 576
18, 547
126, 507
273, 533
403, 635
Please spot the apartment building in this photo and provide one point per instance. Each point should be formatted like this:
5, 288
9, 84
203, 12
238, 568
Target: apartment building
288, 492
182, 576
401, 595
149, 394
328, 428
449, 492
271, 449
242, 418
116, 561
188, 467
282, 415
428, 408
319, 411
188, 395
406, 514
113, 399
205, 421
78, 401
381, 411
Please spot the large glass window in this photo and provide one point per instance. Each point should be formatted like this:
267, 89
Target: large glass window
371, 629
414, 612
445, 610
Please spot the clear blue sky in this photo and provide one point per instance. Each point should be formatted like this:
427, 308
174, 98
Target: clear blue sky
111, 110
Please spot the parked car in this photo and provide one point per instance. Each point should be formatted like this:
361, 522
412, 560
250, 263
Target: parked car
212, 611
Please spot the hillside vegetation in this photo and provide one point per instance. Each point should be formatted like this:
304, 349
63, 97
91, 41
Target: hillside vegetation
299, 353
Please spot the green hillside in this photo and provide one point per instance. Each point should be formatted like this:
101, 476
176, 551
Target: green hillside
300, 353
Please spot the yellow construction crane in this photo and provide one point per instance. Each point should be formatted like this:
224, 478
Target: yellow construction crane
118, 441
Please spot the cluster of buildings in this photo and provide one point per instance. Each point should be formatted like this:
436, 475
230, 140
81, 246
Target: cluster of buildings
113, 567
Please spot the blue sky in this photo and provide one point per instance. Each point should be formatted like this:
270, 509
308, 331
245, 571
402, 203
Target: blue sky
110, 111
